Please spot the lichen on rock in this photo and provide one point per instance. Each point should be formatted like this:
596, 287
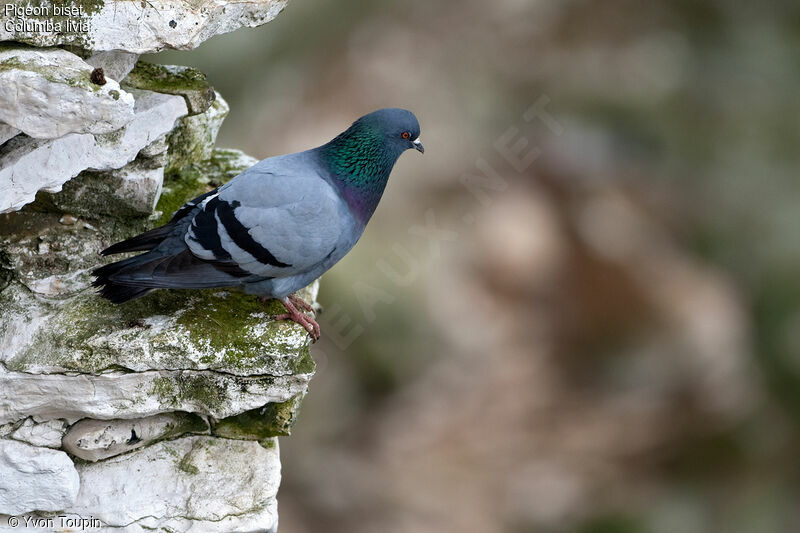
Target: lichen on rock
271, 420
173, 79
193, 139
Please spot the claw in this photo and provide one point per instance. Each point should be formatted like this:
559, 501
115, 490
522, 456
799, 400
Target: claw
292, 303
299, 302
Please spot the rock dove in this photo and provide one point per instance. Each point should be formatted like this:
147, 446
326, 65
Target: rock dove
274, 228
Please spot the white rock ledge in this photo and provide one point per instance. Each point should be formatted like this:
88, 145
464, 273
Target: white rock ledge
182, 485
48, 94
93, 440
48, 433
138, 27
115, 63
35, 478
140, 394
28, 165
7, 132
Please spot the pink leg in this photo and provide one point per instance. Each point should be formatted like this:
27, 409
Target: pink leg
291, 303
299, 302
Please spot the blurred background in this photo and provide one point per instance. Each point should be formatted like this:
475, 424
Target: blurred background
579, 311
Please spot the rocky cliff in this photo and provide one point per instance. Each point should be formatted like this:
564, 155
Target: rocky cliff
160, 414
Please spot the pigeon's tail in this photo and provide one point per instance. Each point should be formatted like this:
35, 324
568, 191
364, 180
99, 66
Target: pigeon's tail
117, 292
144, 241
159, 269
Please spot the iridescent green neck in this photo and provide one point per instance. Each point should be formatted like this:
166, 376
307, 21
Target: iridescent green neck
360, 164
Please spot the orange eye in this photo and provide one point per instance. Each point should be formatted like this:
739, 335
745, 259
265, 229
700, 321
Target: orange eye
405, 135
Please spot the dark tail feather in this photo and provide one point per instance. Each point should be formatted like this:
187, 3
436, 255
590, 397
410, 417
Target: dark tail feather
136, 276
116, 292
119, 294
144, 241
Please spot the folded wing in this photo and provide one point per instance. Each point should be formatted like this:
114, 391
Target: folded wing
267, 224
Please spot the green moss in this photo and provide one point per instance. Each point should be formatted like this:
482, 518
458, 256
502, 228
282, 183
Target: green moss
195, 179
179, 188
185, 465
192, 140
186, 423
218, 330
184, 81
272, 420
201, 390
158, 78
269, 443
114, 94
225, 317
172, 452
235, 329
304, 364
227, 163
77, 78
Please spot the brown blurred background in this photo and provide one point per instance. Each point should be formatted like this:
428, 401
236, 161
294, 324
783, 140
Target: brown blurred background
578, 311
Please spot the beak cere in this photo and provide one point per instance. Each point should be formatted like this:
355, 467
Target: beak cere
418, 146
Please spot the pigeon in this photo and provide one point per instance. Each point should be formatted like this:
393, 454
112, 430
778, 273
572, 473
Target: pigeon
274, 228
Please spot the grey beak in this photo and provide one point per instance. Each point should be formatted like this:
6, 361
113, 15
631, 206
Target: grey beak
418, 146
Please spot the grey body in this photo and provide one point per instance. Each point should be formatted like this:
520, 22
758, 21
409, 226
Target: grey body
274, 228
290, 208
296, 214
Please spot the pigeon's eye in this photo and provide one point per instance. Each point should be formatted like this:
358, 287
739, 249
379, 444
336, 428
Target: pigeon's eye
405, 135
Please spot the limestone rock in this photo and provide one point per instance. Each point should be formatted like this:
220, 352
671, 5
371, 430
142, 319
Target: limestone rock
183, 483
222, 331
93, 440
172, 79
48, 433
116, 64
35, 479
192, 140
140, 394
48, 94
138, 27
271, 420
169, 404
52, 258
29, 165
7, 132
155, 115
155, 148
130, 191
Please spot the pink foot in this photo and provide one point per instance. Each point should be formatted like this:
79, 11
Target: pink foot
299, 302
291, 303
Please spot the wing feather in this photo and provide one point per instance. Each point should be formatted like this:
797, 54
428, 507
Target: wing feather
295, 231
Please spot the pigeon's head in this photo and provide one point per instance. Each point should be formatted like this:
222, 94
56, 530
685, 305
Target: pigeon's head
399, 128
361, 158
